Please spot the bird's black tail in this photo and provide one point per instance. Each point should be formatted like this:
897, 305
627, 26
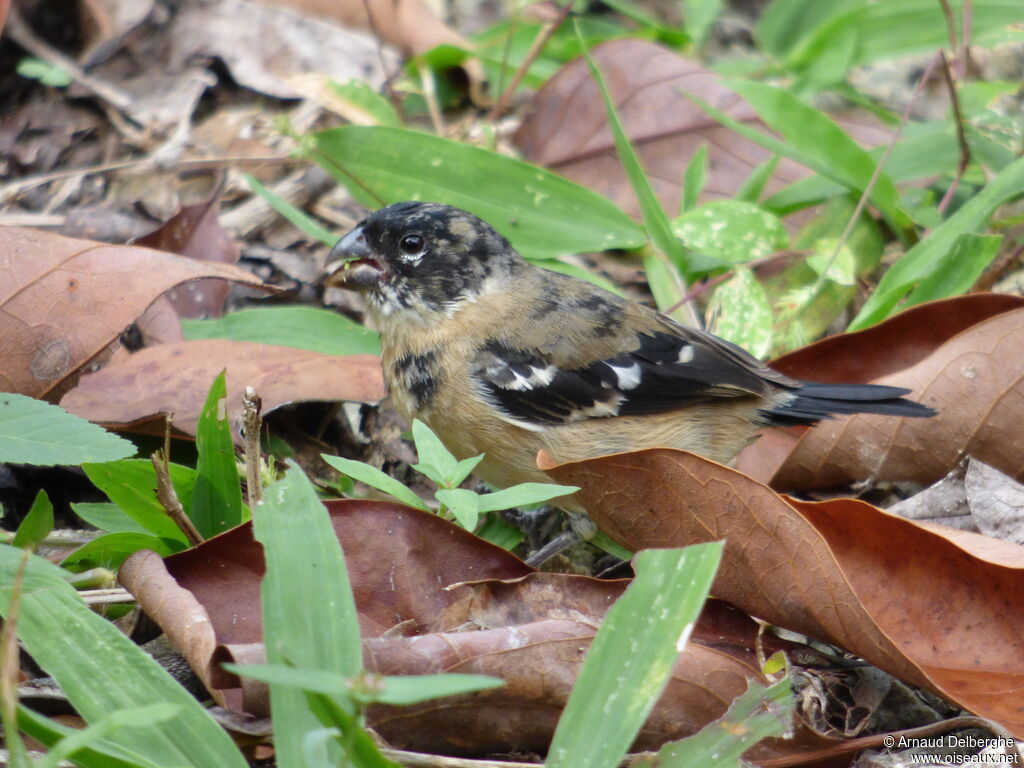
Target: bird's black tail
814, 402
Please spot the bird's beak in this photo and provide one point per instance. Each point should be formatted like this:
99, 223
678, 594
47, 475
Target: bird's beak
351, 264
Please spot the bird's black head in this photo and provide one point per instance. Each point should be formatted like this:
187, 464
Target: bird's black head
420, 256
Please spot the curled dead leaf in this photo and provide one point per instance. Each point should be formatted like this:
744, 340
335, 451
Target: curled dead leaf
942, 610
175, 378
63, 300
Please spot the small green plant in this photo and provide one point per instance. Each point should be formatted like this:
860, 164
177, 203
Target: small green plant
45, 72
448, 473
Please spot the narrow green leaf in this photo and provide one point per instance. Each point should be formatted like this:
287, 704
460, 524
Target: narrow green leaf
632, 655
364, 106
318, 631
602, 541
759, 713
101, 670
542, 214
131, 485
655, 220
302, 221
785, 22
34, 432
37, 523
361, 750
463, 504
217, 498
739, 311
102, 754
499, 533
66, 748
412, 689
958, 270
373, 477
814, 140
666, 284
693, 179
752, 188
523, 494
917, 263
112, 549
108, 517
700, 16
435, 461
318, 330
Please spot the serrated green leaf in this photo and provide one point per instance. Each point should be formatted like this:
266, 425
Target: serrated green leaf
37, 523
726, 232
739, 311
542, 214
318, 330
34, 432
373, 477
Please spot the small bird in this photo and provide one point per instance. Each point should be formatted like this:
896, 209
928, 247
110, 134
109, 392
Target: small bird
504, 358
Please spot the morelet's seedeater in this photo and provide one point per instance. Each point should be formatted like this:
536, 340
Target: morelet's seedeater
504, 358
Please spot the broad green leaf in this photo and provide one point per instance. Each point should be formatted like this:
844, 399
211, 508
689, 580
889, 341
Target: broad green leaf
217, 497
318, 330
655, 220
523, 494
726, 232
373, 477
34, 432
463, 504
739, 311
632, 655
693, 179
320, 630
785, 22
302, 221
839, 266
541, 213
98, 755
37, 523
101, 671
108, 517
131, 485
363, 105
958, 271
759, 713
918, 263
813, 139
112, 549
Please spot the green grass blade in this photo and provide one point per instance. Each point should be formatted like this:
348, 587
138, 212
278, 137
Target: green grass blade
217, 498
131, 485
318, 330
632, 656
309, 615
920, 261
101, 670
373, 477
302, 221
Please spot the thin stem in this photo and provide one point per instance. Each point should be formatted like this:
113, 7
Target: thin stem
961, 137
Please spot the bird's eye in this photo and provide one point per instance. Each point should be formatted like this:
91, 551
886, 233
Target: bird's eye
411, 244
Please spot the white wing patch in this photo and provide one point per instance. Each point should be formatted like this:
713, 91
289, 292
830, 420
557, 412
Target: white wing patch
627, 377
685, 354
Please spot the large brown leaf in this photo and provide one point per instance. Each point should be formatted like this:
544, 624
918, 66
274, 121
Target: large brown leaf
566, 128
63, 301
939, 609
175, 378
888, 349
975, 381
433, 598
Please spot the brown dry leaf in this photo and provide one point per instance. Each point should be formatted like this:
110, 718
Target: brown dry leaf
530, 628
888, 348
175, 378
195, 231
63, 300
942, 610
566, 128
976, 383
